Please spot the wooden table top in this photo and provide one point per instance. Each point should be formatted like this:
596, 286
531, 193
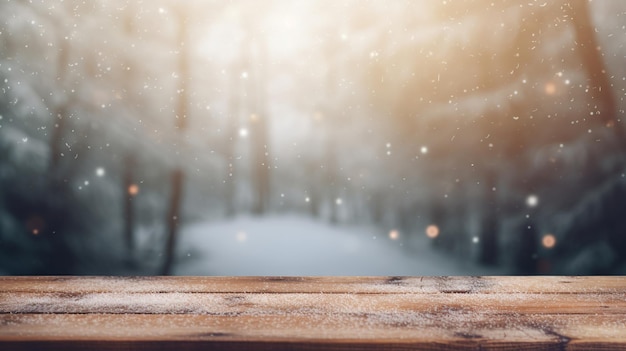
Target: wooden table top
313, 313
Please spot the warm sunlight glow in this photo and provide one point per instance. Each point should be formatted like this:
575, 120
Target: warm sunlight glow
369, 127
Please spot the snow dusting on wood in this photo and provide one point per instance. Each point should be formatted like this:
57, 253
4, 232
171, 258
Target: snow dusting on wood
414, 312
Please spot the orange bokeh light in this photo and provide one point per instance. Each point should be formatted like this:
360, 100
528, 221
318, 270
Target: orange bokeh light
550, 88
133, 189
548, 241
432, 231
394, 235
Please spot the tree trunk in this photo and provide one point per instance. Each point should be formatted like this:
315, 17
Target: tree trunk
330, 168
259, 134
489, 236
230, 140
313, 205
128, 186
173, 220
528, 246
332, 122
173, 215
261, 167
129, 212
61, 111
591, 56
437, 219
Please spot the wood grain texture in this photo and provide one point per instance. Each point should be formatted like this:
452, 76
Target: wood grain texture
312, 313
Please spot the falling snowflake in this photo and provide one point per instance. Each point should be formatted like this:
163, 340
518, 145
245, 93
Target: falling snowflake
532, 201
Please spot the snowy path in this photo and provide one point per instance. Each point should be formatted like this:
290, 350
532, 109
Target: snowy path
291, 245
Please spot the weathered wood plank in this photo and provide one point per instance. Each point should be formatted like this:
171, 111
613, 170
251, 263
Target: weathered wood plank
320, 303
313, 313
419, 331
361, 285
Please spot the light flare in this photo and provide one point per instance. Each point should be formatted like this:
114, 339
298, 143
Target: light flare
532, 201
133, 189
432, 231
394, 235
548, 241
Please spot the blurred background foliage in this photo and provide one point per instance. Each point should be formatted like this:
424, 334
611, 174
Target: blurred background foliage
499, 123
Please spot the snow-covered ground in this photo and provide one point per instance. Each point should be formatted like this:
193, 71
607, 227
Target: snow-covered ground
292, 245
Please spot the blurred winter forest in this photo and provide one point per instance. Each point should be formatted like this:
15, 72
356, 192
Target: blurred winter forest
490, 132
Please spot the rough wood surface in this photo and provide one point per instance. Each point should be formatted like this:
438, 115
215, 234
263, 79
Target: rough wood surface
313, 313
